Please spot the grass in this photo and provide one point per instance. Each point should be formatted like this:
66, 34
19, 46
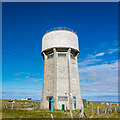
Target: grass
45, 113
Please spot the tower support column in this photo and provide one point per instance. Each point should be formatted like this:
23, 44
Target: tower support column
55, 77
43, 100
69, 83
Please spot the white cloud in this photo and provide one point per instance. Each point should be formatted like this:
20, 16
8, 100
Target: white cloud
104, 78
36, 74
110, 51
34, 79
100, 54
25, 73
16, 74
27, 76
88, 62
21, 73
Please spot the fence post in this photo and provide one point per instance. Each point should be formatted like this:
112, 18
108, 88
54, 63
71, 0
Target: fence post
91, 111
102, 109
66, 110
5, 105
52, 117
118, 107
115, 108
97, 110
78, 113
110, 105
12, 105
82, 113
18, 105
33, 107
106, 109
25, 106
38, 105
110, 108
71, 114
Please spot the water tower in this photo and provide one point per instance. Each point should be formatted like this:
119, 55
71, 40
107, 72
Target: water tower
61, 77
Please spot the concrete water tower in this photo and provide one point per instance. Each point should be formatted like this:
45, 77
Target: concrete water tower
61, 77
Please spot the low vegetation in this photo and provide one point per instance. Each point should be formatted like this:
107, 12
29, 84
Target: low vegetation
17, 110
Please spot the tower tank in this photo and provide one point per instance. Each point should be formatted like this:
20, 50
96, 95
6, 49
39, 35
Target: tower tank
61, 77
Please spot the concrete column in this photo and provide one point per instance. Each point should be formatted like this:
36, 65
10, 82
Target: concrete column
69, 83
79, 103
43, 100
55, 78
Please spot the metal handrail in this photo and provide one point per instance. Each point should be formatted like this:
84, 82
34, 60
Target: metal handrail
60, 28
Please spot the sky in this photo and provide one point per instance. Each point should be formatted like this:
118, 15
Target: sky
24, 24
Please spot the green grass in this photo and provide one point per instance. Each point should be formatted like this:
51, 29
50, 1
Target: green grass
45, 113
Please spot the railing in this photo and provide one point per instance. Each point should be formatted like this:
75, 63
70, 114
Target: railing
60, 28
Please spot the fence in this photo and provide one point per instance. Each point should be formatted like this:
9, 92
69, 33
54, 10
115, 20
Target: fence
104, 109
91, 110
18, 105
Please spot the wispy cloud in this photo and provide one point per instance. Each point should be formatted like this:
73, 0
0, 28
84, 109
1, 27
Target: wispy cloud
34, 79
28, 77
88, 62
36, 74
16, 74
22, 94
21, 73
98, 76
100, 54
24, 73
110, 51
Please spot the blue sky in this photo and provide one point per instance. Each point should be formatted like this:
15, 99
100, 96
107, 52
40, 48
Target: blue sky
96, 25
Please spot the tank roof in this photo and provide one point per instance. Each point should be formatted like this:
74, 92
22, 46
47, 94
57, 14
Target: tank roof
60, 39
61, 28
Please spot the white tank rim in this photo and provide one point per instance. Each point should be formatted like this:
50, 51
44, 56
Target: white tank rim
58, 31
59, 47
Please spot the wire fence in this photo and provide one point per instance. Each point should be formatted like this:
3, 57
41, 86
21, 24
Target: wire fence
90, 111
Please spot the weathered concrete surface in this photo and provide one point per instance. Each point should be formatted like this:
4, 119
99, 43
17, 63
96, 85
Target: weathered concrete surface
60, 38
61, 76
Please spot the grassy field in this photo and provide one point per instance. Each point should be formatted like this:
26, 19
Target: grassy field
18, 111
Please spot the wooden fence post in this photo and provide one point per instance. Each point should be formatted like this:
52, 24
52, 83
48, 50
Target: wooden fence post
78, 113
97, 110
110, 108
18, 105
118, 107
102, 109
52, 117
25, 106
71, 114
115, 108
66, 110
110, 105
33, 107
38, 105
91, 111
106, 109
82, 113
12, 105
5, 106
